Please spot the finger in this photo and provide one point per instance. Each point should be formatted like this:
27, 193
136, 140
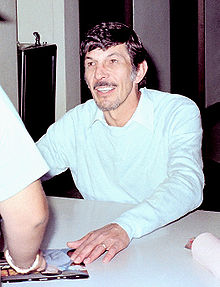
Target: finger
96, 252
85, 246
77, 243
82, 253
92, 244
78, 248
76, 254
73, 244
110, 254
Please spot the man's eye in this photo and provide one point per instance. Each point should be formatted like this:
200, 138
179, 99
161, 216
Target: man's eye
90, 64
114, 61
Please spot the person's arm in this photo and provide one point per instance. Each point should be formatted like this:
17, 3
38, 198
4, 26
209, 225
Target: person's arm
182, 189
25, 217
53, 145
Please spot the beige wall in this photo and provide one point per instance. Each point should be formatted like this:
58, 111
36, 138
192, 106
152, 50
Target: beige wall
8, 51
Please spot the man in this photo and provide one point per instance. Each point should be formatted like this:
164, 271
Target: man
127, 144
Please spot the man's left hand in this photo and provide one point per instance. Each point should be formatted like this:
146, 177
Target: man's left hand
111, 238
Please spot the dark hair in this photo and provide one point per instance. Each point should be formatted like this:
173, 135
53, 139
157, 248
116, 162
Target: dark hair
106, 35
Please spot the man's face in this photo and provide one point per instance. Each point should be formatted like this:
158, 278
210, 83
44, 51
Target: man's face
109, 76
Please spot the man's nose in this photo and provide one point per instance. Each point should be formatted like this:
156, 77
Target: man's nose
101, 72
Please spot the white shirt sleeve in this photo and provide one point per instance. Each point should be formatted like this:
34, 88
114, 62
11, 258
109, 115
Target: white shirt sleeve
181, 191
20, 161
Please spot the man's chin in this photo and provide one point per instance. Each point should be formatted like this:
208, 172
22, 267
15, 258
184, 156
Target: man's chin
108, 107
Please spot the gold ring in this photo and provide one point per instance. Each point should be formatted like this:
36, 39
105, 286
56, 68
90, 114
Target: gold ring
105, 247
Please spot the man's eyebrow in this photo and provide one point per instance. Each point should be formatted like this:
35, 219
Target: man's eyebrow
88, 58
115, 54
108, 56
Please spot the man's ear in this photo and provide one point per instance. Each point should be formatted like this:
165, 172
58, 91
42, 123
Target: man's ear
141, 71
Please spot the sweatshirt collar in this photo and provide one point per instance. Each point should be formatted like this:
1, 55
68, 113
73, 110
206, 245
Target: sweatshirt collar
143, 114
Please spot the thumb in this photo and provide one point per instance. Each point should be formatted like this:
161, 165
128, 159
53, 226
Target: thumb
73, 244
76, 243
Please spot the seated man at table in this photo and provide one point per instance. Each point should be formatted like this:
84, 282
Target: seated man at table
128, 144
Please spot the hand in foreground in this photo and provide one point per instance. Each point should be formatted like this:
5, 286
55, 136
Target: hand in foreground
111, 238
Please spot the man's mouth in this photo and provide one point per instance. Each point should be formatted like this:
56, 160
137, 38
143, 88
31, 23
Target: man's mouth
104, 87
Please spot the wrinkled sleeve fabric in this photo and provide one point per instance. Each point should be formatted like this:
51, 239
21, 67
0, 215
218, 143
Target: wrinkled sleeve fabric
181, 191
21, 163
57, 146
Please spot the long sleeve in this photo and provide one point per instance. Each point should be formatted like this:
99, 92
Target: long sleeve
181, 191
57, 146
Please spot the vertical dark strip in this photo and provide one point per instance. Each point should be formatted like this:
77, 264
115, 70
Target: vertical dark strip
128, 12
184, 48
94, 12
201, 53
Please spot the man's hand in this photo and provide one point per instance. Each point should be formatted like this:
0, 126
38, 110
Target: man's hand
111, 238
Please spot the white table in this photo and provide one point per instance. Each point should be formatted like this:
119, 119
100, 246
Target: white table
158, 259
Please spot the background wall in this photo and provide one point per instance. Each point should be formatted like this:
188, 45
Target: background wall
152, 23
212, 52
8, 50
57, 21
